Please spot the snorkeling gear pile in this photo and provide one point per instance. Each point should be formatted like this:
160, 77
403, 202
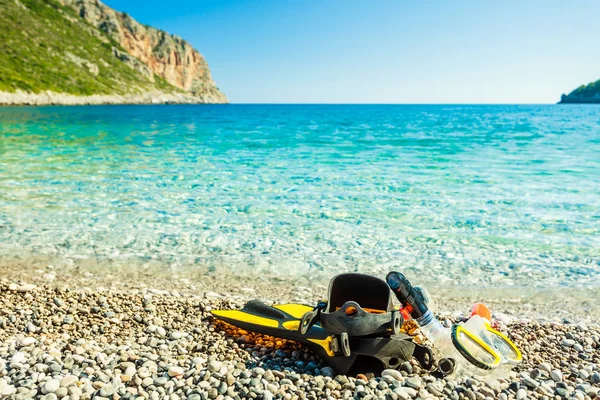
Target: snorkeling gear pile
358, 329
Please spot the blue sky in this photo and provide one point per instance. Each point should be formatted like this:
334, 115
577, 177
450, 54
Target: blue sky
386, 51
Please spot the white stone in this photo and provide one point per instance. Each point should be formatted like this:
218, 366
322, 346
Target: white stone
19, 358
212, 295
26, 287
68, 380
405, 393
6, 389
392, 373
175, 335
175, 371
51, 386
27, 341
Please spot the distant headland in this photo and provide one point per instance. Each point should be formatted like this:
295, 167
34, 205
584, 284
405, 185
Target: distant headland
589, 94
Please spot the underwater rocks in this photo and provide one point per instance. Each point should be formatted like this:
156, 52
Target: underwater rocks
106, 343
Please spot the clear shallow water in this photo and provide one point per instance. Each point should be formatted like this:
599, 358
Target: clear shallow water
500, 195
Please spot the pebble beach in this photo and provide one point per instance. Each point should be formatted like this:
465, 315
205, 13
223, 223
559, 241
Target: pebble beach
72, 334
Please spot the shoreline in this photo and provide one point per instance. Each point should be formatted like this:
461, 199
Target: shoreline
575, 303
47, 98
78, 333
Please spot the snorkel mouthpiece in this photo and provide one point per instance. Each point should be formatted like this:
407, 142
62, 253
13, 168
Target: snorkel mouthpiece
407, 295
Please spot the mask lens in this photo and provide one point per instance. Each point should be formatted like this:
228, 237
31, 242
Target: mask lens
504, 346
474, 349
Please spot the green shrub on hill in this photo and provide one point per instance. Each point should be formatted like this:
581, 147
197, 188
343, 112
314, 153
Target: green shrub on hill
589, 93
46, 46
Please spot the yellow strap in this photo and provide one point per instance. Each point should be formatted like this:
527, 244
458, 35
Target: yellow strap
246, 317
326, 344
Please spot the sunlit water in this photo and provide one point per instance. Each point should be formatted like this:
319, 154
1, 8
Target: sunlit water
500, 195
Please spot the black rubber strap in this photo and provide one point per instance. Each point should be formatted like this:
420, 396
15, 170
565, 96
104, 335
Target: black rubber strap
424, 356
311, 317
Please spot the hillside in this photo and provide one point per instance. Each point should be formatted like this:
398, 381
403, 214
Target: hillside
82, 51
589, 93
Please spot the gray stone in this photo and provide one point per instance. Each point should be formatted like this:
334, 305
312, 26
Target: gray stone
414, 382
107, 390
530, 383
281, 353
213, 393
562, 392
546, 367
160, 381
556, 375
435, 388
406, 367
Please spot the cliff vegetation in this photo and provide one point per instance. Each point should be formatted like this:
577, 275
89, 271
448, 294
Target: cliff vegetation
589, 93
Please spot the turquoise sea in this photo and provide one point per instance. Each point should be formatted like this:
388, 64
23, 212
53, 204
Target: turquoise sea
480, 195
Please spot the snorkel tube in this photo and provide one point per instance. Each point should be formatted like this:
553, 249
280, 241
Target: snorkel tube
415, 304
411, 299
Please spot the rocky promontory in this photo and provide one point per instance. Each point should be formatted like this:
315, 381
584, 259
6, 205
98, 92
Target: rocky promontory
84, 52
584, 94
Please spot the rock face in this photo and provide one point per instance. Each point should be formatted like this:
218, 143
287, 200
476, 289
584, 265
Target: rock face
152, 51
589, 93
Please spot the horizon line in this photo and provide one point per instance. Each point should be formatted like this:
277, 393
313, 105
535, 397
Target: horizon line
401, 104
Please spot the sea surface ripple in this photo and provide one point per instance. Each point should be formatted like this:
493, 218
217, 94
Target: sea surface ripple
479, 195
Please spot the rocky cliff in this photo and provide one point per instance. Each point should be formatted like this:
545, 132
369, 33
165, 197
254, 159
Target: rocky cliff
57, 50
589, 93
